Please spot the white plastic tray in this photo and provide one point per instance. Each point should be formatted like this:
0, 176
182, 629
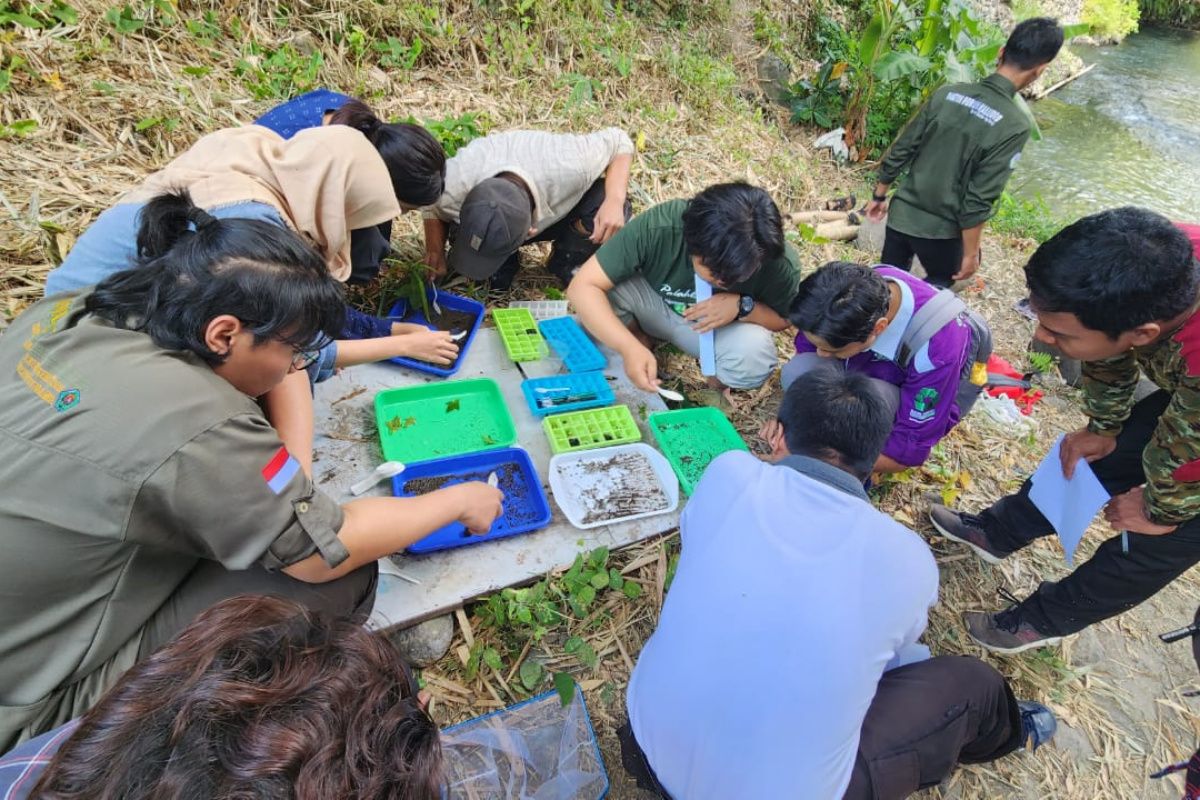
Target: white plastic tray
542, 309
568, 482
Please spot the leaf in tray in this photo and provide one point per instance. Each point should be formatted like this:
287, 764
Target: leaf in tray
409, 422
453, 405
394, 424
488, 439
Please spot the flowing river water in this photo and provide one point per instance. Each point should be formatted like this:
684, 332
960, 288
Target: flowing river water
1126, 133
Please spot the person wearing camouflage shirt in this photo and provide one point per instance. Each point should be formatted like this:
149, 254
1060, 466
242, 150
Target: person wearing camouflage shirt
1120, 291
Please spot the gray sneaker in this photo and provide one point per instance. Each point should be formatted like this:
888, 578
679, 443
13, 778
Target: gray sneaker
964, 529
1005, 632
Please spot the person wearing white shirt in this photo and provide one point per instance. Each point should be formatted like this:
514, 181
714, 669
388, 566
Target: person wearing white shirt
791, 586
509, 189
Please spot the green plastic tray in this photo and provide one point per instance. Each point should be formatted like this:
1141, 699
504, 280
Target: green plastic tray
595, 427
691, 438
520, 334
435, 420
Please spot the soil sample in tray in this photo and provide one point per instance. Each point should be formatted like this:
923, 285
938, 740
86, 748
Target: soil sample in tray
607, 486
449, 320
519, 509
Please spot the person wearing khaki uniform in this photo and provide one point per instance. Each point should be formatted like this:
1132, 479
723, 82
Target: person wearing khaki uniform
143, 482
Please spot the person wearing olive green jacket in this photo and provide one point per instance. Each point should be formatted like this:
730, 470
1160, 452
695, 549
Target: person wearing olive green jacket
959, 150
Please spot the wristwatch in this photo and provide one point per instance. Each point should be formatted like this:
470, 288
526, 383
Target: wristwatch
745, 305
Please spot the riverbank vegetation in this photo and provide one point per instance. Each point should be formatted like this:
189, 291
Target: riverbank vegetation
1177, 13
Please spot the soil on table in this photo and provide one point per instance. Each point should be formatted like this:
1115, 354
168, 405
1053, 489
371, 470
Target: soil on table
618, 486
450, 321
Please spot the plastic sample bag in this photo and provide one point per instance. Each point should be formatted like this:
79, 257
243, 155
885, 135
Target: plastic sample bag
535, 750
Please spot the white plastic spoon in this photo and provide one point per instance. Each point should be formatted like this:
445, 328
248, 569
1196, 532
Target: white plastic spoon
384, 471
670, 394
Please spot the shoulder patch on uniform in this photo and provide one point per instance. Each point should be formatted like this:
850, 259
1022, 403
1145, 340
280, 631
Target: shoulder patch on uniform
280, 470
924, 405
1189, 337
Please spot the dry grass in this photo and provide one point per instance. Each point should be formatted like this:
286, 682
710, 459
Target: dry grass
89, 88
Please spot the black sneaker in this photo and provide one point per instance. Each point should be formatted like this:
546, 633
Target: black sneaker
1006, 632
964, 529
1038, 724
502, 278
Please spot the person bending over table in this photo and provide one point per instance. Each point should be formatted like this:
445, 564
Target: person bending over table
858, 319
1120, 291
640, 286
323, 183
506, 190
257, 697
786, 662
142, 482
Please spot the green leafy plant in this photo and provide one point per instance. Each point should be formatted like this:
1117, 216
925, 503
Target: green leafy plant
1179, 13
453, 132
1040, 362
819, 100
6, 72
147, 123
207, 29
18, 129
124, 20
1028, 218
279, 73
407, 279
36, 15
1111, 20
583, 88
398, 54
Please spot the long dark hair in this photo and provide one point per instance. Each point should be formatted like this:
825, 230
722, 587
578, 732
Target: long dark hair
256, 699
415, 160
192, 268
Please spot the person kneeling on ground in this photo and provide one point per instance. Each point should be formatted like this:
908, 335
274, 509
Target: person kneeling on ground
142, 482
1120, 291
258, 697
790, 580
641, 286
918, 346
509, 189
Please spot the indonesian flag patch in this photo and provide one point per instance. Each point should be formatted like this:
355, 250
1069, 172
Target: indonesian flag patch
280, 470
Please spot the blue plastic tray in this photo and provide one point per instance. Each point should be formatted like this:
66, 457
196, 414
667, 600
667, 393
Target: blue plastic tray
448, 302
572, 344
525, 505
557, 388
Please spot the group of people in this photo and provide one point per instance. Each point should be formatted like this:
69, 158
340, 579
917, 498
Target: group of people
156, 454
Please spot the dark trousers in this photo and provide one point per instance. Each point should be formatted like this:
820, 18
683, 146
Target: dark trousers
925, 718
351, 596
928, 717
1111, 581
570, 240
368, 248
941, 258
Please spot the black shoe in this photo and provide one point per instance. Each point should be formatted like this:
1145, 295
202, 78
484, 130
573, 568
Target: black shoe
964, 529
502, 278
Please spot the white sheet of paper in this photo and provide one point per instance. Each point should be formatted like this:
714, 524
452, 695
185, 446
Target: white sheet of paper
708, 352
1070, 505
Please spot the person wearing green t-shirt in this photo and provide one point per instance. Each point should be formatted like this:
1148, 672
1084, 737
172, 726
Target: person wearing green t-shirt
640, 286
959, 151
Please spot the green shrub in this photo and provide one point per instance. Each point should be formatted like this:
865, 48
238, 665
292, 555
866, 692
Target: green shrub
1111, 19
1030, 219
1181, 13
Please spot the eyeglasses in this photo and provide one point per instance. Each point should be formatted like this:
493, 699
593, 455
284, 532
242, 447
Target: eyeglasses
303, 359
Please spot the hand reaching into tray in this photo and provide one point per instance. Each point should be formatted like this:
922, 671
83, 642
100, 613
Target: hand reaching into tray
480, 505
436, 347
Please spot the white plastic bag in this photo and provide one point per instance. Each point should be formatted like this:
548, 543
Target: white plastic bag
1002, 414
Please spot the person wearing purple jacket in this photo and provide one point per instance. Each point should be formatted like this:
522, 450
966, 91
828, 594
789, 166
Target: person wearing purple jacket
858, 318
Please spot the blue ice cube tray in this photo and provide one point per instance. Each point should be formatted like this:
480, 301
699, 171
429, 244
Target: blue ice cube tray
572, 344
571, 392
